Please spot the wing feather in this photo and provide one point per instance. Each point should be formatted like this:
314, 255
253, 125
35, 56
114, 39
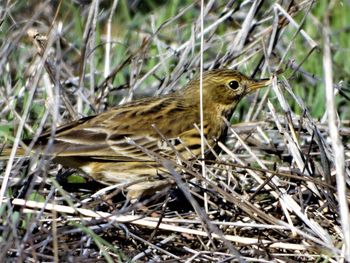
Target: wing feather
104, 136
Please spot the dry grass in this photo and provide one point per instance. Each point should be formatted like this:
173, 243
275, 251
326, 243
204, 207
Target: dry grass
279, 189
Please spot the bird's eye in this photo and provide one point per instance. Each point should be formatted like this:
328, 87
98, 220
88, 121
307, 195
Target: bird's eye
233, 84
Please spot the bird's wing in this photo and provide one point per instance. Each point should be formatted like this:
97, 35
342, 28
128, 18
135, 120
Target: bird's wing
123, 134
100, 143
124, 146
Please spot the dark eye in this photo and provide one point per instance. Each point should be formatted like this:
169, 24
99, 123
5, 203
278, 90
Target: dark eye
233, 84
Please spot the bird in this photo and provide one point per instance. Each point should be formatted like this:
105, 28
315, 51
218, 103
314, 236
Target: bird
109, 146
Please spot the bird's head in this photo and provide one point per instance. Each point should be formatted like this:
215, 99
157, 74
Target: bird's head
224, 87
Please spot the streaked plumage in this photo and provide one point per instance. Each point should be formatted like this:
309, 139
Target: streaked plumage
99, 145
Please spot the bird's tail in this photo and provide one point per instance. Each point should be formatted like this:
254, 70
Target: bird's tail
6, 152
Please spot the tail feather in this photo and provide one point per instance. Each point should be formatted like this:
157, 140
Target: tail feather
6, 152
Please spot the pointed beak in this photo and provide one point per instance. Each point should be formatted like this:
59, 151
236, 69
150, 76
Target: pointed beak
257, 84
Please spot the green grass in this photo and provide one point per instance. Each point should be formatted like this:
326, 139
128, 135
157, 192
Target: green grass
130, 29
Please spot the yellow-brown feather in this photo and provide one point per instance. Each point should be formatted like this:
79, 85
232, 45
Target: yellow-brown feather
99, 144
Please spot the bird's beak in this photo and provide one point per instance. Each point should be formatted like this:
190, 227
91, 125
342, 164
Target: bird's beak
257, 84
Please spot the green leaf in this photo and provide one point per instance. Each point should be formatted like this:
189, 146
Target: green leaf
75, 179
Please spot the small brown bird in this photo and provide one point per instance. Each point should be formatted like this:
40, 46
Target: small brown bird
100, 145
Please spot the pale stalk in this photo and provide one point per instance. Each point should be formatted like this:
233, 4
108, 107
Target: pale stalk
201, 99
